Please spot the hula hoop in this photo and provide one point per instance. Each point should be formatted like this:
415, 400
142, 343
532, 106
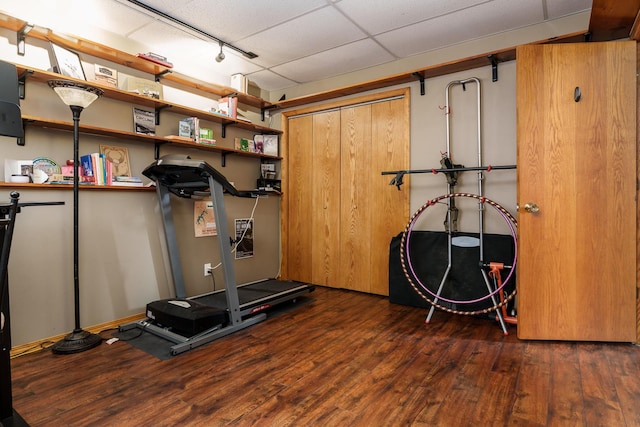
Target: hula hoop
409, 271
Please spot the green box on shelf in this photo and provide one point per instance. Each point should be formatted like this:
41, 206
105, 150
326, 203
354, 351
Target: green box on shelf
206, 133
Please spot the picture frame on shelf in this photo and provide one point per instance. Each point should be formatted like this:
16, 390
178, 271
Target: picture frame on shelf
270, 145
119, 158
144, 121
66, 62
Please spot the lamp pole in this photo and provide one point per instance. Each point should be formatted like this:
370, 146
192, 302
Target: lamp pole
77, 96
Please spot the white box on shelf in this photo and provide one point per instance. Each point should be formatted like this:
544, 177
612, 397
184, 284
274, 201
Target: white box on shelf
239, 82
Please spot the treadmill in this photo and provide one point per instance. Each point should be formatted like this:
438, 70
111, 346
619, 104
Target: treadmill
194, 321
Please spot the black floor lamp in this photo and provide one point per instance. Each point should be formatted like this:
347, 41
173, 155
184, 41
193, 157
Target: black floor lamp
77, 96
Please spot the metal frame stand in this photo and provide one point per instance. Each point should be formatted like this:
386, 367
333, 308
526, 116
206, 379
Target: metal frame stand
452, 210
8, 416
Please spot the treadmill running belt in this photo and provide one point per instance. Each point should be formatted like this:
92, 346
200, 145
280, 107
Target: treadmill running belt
259, 293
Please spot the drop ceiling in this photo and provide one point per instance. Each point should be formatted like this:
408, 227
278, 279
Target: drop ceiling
301, 41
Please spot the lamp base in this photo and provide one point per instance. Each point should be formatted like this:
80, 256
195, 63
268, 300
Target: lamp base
77, 341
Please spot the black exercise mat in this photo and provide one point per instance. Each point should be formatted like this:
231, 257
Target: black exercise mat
147, 342
161, 348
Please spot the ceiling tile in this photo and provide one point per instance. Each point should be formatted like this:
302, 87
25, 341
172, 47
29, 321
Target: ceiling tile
378, 16
271, 80
232, 20
354, 56
309, 34
559, 8
467, 24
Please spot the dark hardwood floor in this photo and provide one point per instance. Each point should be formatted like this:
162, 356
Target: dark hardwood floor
346, 359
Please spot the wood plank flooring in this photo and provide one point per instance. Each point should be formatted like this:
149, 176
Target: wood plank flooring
346, 359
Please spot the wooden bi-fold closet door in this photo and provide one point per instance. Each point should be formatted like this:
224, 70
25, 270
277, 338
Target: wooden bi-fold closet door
576, 128
340, 212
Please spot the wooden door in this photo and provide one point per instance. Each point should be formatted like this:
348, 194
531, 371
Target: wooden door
576, 121
389, 207
356, 205
325, 206
299, 199
313, 213
374, 139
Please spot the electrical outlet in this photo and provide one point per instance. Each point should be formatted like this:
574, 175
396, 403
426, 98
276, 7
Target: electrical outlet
207, 269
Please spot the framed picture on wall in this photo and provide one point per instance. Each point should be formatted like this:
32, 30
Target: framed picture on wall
244, 238
66, 62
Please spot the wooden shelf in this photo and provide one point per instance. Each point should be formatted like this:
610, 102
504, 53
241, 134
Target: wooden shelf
96, 130
88, 129
27, 73
31, 186
107, 53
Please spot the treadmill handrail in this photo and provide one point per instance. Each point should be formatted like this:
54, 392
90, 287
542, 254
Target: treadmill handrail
180, 172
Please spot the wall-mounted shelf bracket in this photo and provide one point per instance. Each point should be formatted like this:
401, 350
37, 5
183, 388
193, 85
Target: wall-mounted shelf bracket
421, 78
157, 113
21, 141
224, 128
21, 35
22, 78
494, 68
158, 76
156, 150
223, 159
263, 111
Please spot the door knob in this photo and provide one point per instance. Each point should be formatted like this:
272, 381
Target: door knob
531, 207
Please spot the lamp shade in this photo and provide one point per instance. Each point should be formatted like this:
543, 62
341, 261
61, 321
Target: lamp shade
75, 94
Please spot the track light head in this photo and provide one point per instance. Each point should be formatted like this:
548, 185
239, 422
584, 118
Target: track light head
220, 56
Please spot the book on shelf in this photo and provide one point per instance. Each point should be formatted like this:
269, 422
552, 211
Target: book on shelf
96, 169
244, 144
101, 169
126, 184
144, 121
228, 106
86, 163
127, 181
189, 127
158, 59
205, 136
258, 143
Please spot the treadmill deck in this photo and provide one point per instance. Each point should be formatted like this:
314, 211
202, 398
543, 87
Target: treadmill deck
258, 296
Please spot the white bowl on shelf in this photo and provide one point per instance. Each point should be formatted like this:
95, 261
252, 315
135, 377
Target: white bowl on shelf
22, 179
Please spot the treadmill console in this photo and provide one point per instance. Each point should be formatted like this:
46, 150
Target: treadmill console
184, 176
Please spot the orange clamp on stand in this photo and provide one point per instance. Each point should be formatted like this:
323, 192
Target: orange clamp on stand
496, 267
